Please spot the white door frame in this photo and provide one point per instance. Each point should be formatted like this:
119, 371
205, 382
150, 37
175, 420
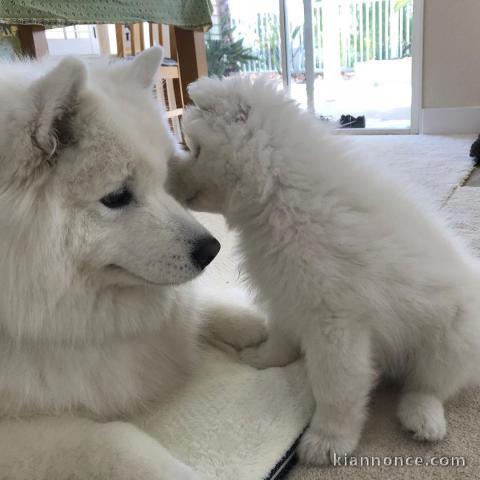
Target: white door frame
309, 60
417, 68
284, 44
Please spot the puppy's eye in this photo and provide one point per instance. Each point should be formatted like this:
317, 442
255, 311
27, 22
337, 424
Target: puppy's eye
118, 198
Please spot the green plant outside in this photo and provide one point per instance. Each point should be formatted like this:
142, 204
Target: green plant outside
224, 55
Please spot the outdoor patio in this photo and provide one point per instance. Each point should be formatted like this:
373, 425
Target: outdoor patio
380, 90
361, 54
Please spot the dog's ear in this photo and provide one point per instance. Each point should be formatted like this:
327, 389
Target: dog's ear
55, 103
143, 68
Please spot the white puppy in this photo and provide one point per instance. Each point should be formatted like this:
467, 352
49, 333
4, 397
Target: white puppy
353, 274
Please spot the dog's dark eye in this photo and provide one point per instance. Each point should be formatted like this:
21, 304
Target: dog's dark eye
118, 198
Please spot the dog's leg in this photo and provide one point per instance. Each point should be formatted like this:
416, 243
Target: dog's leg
229, 319
276, 351
341, 375
65, 448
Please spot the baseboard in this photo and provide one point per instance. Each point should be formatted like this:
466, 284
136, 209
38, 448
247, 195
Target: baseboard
451, 120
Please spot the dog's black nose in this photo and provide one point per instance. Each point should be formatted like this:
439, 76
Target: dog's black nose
204, 251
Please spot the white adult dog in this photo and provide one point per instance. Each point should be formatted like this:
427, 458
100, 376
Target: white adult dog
92, 248
353, 274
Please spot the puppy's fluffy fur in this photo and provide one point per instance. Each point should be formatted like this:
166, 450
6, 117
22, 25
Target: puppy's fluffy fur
352, 272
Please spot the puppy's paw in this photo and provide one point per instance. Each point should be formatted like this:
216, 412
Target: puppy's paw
316, 448
423, 415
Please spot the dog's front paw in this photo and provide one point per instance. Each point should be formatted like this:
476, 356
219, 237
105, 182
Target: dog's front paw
319, 449
144, 471
186, 473
235, 326
251, 328
255, 357
423, 415
121, 451
274, 352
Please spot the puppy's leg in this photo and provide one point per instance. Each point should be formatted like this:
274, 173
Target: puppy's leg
420, 409
341, 375
423, 415
443, 363
229, 319
65, 448
276, 351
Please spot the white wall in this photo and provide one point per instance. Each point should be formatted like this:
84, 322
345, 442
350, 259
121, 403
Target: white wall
451, 53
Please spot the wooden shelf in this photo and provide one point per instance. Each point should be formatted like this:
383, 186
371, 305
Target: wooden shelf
174, 113
169, 72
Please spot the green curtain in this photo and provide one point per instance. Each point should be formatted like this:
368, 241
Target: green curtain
183, 13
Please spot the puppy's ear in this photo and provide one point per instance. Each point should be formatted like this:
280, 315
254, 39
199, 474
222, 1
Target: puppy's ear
206, 93
221, 97
55, 103
142, 70
181, 183
241, 114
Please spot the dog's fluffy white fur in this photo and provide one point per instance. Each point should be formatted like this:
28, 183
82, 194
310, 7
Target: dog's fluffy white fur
354, 275
94, 321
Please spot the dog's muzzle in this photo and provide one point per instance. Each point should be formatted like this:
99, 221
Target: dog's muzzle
204, 251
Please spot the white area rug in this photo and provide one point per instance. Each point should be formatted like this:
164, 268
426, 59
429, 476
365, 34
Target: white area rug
435, 164
235, 423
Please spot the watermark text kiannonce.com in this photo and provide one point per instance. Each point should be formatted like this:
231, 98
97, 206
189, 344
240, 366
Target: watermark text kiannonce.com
398, 461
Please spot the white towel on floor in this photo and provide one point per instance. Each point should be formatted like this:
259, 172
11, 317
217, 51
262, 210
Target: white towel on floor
233, 422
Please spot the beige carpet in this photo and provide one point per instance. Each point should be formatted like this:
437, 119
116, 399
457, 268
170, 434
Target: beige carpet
439, 164
383, 438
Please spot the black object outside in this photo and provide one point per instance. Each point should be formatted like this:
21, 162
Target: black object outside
349, 121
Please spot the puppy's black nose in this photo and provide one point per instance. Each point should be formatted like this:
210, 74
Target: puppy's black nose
204, 251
